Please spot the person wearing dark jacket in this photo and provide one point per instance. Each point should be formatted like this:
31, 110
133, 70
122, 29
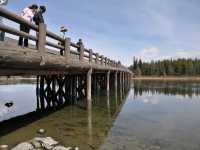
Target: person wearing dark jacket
38, 17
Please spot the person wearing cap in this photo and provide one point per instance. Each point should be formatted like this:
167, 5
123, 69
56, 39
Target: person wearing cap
27, 14
38, 17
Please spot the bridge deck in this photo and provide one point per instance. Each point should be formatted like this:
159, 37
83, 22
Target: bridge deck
15, 60
47, 57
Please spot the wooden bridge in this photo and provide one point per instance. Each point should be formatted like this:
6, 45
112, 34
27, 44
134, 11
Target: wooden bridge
64, 70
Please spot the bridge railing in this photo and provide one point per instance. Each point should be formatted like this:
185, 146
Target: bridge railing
64, 45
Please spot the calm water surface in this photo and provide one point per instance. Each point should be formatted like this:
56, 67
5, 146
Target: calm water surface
151, 115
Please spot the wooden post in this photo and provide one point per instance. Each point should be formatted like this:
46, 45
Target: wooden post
116, 81
108, 81
42, 104
108, 61
122, 81
81, 49
42, 42
97, 58
53, 91
102, 59
111, 63
89, 85
42, 38
90, 55
67, 49
105, 61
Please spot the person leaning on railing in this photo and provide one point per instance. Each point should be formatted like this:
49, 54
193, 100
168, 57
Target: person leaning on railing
38, 17
27, 14
3, 3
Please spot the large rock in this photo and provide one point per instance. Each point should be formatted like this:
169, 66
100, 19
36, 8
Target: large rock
37, 143
47, 142
24, 146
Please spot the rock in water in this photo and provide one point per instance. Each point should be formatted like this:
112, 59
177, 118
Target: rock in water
61, 148
46, 140
3, 147
41, 131
36, 144
23, 146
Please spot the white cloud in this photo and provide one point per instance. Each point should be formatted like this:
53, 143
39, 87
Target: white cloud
187, 54
149, 54
155, 53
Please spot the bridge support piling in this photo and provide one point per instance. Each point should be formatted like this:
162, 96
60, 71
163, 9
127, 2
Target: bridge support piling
89, 85
123, 81
116, 81
37, 91
120, 79
108, 81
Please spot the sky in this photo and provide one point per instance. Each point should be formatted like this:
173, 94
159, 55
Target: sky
121, 29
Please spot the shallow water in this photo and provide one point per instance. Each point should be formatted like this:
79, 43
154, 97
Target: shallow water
152, 115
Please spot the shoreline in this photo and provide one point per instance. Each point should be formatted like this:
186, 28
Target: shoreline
166, 78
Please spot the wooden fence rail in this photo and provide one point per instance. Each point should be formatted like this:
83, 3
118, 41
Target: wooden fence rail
64, 45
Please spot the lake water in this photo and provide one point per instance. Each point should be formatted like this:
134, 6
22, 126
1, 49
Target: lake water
151, 115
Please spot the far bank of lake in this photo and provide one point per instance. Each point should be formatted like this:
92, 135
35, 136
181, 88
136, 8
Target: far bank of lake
173, 78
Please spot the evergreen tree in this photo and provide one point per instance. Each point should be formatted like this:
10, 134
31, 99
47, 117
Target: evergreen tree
171, 67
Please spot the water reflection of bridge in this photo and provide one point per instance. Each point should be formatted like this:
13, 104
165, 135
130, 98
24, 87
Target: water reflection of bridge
105, 105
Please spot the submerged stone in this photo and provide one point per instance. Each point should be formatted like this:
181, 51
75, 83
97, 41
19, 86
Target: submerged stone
61, 148
47, 140
24, 146
41, 131
4, 147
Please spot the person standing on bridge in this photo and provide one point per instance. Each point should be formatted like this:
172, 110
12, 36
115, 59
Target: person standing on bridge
38, 17
3, 3
27, 14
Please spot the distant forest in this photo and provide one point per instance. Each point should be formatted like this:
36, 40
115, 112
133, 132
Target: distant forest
168, 67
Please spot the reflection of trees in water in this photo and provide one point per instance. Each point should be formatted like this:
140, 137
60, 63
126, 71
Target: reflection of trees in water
184, 88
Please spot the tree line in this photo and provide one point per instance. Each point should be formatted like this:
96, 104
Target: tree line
167, 67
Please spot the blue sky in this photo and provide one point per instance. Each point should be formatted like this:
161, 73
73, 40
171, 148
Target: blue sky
121, 29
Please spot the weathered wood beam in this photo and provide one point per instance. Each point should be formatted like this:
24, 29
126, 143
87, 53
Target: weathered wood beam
89, 84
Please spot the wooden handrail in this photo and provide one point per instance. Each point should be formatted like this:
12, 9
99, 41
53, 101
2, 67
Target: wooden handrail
81, 51
13, 31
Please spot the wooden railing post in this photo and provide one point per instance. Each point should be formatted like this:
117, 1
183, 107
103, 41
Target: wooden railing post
115, 64
81, 49
97, 58
90, 55
102, 59
42, 38
106, 61
67, 49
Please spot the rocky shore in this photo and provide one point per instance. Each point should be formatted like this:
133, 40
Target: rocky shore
39, 143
